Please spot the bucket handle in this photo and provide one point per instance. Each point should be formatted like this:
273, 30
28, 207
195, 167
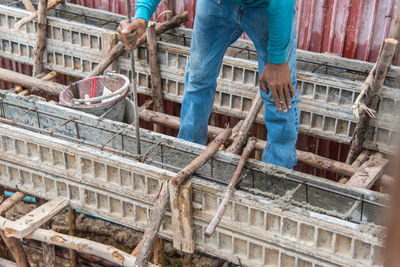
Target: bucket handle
99, 98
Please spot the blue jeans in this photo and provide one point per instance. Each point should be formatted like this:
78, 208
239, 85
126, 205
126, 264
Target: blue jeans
217, 26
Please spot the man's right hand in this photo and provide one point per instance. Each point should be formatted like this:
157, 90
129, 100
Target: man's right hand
131, 31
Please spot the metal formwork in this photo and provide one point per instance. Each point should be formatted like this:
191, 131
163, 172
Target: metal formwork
325, 99
255, 231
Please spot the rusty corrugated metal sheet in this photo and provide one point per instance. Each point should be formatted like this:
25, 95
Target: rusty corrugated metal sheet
349, 28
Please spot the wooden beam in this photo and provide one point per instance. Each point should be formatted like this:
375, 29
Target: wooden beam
160, 205
41, 38
36, 218
119, 48
35, 14
369, 172
158, 252
155, 73
182, 217
35, 84
71, 232
372, 97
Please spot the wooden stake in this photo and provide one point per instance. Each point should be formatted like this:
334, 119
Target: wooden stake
160, 205
35, 14
155, 73
26, 81
244, 131
231, 188
41, 38
13, 244
71, 232
119, 48
182, 217
372, 98
158, 252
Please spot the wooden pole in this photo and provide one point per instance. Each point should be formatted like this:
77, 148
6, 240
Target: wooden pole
245, 129
35, 14
71, 232
171, 7
231, 187
158, 252
49, 251
119, 48
41, 38
160, 205
372, 97
35, 84
155, 73
14, 244
395, 34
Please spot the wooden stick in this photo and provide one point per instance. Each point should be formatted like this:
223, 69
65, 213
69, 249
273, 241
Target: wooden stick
160, 205
41, 38
71, 232
193, 166
119, 48
244, 131
26, 81
13, 244
372, 98
231, 188
155, 73
136, 250
35, 14
356, 164
28, 5
10, 202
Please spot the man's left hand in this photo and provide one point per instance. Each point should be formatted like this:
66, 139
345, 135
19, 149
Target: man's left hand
277, 76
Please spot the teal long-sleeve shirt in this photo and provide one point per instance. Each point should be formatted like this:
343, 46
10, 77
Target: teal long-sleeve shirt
279, 12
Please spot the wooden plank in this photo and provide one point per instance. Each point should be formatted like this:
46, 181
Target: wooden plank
368, 173
182, 217
36, 218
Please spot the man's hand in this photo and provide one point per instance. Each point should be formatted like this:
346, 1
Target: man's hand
131, 31
277, 76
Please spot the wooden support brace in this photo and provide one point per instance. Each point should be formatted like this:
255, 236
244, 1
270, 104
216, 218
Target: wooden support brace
369, 172
71, 232
28, 5
36, 218
245, 129
230, 189
158, 252
182, 217
35, 14
155, 73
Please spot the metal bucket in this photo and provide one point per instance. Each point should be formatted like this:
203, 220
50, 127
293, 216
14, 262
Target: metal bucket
98, 95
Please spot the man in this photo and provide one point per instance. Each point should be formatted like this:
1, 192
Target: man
270, 24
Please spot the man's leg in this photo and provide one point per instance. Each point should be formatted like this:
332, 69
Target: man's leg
215, 28
282, 127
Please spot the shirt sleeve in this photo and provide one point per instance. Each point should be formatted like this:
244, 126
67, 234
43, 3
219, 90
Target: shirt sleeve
280, 16
145, 9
